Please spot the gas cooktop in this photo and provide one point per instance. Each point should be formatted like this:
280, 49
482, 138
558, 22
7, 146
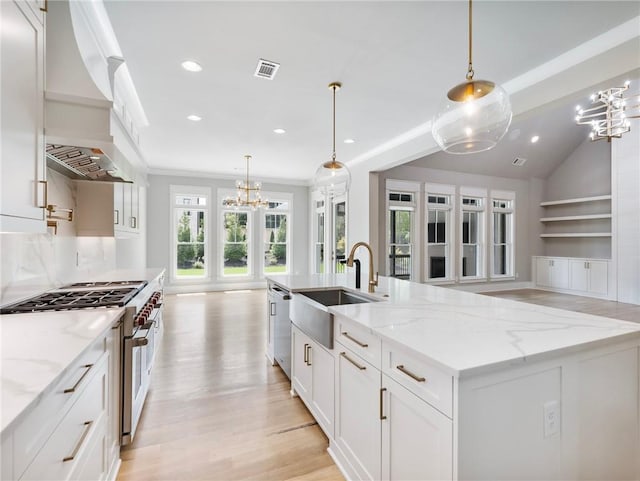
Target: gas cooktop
79, 296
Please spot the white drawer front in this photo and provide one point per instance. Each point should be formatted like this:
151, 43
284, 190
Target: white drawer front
359, 339
423, 379
30, 434
67, 447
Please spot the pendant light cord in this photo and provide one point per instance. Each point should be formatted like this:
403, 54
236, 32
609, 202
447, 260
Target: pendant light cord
333, 155
470, 71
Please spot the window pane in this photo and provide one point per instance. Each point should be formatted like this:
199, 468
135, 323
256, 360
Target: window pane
400, 261
437, 262
431, 227
190, 231
340, 234
320, 258
500, 259
187, 199
235, 243
441, 227
469, 260
275, 249
465, 227
499, 228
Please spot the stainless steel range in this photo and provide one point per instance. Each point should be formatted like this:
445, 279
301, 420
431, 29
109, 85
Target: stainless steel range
140, 331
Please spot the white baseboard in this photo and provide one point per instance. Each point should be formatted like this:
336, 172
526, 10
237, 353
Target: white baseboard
341, 461
493, 286
574, 293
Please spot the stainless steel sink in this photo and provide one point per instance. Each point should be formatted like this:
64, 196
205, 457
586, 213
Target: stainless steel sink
309, 311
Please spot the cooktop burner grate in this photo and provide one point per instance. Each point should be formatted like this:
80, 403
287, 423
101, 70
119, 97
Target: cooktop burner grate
66, 300
105, 284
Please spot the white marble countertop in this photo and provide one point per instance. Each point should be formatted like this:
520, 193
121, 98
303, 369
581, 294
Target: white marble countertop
36, 351
465, 333
146, 274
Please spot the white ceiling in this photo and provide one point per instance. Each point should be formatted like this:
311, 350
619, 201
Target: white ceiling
396, 61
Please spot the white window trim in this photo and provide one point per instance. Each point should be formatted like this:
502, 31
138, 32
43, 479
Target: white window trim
482, 235
175, 190
511, 197
443, 190
277, 197
398, 186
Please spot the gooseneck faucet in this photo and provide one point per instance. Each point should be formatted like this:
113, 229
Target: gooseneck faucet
372, 282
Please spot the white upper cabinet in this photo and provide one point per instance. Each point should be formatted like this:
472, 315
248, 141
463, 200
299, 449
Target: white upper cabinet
22, 62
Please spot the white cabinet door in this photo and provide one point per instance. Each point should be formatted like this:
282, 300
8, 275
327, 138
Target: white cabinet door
22, 175
300, 368
578, 275
118, 205
560, 273
358, 413
112, 440
543, 271
323, 387
598, 277
271, 329
134, 222
417, 440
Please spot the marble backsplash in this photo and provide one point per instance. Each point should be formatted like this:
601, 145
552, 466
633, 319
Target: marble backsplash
33, 263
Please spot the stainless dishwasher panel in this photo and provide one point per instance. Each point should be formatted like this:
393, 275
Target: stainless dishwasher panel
282, 338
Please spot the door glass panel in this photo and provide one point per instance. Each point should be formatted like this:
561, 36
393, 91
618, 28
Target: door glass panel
340, 234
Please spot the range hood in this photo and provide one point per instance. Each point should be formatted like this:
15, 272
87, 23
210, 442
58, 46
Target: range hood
85, 137
82, 163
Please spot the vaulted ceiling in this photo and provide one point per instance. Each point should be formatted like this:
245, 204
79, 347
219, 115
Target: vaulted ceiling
396, 61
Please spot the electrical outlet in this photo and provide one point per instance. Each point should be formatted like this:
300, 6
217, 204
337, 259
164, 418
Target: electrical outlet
551, 412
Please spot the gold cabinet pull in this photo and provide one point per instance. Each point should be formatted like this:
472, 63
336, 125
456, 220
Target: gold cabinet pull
413, 376
75, 386
382, 416
308, 354
351, 338
46, 194
133, 223
87, 428
45, 9
306, 360
116, 217
359, 366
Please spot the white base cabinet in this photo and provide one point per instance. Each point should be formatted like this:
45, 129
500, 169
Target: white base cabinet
581, 276
312, 378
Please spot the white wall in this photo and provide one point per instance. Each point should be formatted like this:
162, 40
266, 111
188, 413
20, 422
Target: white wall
159, 229
626, 211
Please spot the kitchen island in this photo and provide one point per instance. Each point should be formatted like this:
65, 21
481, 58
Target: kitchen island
434, 383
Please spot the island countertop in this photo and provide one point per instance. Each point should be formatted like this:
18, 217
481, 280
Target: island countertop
465, 333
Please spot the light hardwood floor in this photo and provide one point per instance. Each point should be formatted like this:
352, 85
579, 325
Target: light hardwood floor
217, 410
588, 305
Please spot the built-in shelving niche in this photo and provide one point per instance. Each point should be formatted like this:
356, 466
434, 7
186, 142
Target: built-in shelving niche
578, 227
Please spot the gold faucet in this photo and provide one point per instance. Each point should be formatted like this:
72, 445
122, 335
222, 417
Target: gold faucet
372, 283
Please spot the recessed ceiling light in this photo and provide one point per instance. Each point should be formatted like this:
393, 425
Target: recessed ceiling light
191, 66
534, 139
279, 131
194, 118
349, 141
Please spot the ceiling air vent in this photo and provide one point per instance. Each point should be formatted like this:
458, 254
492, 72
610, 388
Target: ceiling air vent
518, 161
266, 69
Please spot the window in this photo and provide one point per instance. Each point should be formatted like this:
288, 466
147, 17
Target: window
400, 228
275, 237
235, 243
440, 202
339, 233
502, 253
472, 232
318, 247
189, 232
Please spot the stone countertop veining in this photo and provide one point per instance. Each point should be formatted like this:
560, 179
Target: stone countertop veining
37, 350
142, 274
464, 333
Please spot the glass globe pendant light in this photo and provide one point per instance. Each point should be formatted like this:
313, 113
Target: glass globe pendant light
475, 115
332, 178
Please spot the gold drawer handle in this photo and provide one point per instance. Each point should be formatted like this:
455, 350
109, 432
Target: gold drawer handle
75, 386
46, 194
344, 354
402, 369
382, 416
351, 338
87, 428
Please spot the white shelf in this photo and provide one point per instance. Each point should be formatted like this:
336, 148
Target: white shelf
578, 234
576, 217
578, 200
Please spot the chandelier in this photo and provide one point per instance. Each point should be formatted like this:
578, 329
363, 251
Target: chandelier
610, 113
333, 178
476, 114
243, 194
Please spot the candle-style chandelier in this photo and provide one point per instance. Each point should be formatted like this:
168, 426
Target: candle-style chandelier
610, 113
243, 196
